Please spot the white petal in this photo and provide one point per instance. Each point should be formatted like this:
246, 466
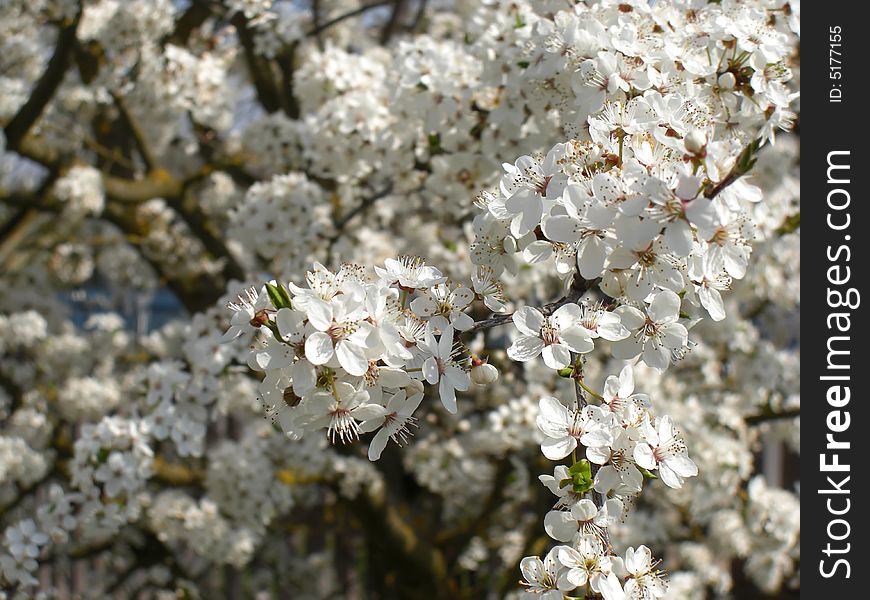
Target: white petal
430, 370
669, 478
673, 335
423, 306
561, 228
458, 378
665, 307
318, 348
289, 322
627, 349
678, 237
682, 466
558, 448
462, 297
537, 252
560, 525
528, 320
578, 339
352, 358
461, 321
319, 313
553, 411
656, 356
377, 445
711, 299
556, 356
448, 396
591, 256
525, 348
643, 456
369, 412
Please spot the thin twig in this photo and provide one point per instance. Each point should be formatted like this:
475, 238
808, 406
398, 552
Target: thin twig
318, 29
579, 286
772, 416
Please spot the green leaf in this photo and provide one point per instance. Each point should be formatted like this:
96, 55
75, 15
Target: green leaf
581, 476
435, 144
278, 296
647, 474
102, 455
566, 372
523, 64
790, 224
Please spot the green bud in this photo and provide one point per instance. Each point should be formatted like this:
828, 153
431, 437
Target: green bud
647, 474
581, 476
278, 296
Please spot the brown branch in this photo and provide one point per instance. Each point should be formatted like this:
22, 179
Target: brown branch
363, 206
392, 24
201, 226
415, 564
158, 184
318, 29
461, 535
188, 22
268, 93
286, 66
579, 286
132, 124
46, 87
745, 162
766, 417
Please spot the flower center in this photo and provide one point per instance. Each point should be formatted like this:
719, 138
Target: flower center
549, 334
342, 425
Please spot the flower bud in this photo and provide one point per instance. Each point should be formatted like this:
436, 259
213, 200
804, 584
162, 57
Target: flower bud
727, 81
695, 141
484, 374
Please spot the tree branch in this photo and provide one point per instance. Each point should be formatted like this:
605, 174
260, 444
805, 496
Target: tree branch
267, 91
765, 417
132, 124
392, 24
320, 28
188, 22
745, 162
45, 88
579, 287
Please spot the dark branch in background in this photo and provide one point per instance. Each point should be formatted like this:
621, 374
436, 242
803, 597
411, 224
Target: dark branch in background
364, 205
262, 76
132, 124
392, 24
415, 564
45, 88
320, 28
200, 224
772, 416
418, 18
315, 22
285, 65
459, 537
187, 23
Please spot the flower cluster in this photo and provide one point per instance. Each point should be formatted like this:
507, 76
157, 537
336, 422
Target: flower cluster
350, 352
623, 442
